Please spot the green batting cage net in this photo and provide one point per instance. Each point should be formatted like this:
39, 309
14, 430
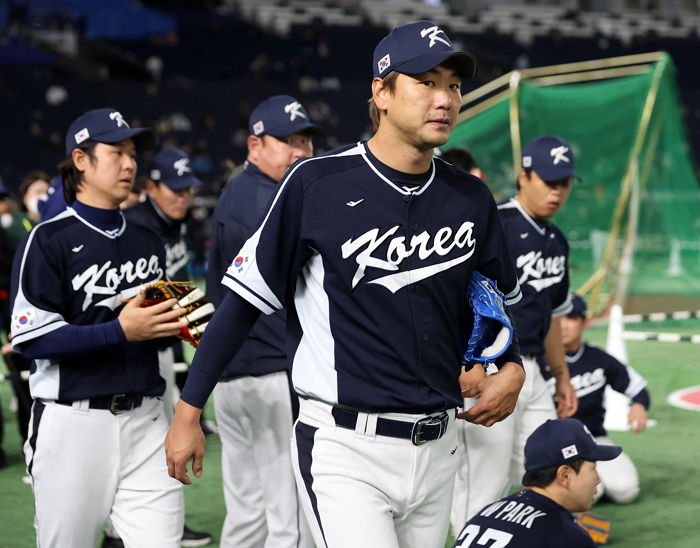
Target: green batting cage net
633, 221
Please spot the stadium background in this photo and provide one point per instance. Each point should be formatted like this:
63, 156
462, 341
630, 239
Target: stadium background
193, 70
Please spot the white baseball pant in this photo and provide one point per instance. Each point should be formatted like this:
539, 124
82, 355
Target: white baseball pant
254, 418
88, 465
166, 368
618, 477
362, 489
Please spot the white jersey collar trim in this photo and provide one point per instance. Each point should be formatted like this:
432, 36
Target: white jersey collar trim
577, 355
112, 234
529, 219
388, 181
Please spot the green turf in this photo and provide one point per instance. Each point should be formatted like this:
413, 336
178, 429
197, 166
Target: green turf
667, 457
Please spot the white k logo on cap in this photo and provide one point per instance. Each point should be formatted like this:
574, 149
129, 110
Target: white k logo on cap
118, 118
182, 166
558, 154
294, 110
432, 33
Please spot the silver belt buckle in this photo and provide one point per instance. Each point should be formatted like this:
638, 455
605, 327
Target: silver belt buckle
434, 420
120, 404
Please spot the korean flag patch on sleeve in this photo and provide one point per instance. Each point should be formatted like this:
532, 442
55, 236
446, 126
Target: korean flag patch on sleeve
23, 320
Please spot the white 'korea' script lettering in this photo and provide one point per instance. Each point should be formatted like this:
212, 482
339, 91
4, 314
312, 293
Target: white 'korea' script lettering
538, 272
425, 245
105, 279
176, 257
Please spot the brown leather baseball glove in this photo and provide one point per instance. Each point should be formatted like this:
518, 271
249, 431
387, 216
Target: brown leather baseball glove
199, 309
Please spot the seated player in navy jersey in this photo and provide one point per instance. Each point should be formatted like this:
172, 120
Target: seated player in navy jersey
592, 369
96, 435
371, 248
560, 478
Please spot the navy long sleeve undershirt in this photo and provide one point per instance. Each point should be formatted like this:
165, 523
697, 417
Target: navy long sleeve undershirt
73, 340
224, 336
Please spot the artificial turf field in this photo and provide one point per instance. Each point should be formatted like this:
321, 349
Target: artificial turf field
666, 514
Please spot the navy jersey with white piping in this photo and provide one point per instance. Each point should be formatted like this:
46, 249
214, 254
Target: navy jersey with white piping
239, 210
524, 519
592, 369
541, 254
172, 233
373, 267
73, 270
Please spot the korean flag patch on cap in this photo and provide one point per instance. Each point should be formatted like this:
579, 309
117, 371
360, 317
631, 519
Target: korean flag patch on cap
82, 135
384, 63
569, 452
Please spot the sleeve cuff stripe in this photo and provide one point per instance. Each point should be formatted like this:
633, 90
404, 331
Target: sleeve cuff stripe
248, 294
565, 309
510, 301
37, 332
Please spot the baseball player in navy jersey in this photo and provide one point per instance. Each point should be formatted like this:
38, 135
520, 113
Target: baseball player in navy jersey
592, 369
371, 248
540, 252
255, 407
169, 192
560, 478
95, 443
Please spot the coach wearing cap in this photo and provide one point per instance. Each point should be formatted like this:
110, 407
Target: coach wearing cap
560, 478
253, 401
169, 189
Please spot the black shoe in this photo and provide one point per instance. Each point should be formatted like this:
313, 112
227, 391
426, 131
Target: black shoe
112, 542
194, 538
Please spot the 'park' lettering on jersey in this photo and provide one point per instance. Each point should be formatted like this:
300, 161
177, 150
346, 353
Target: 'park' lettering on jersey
524, 520
72, 271
541, 256
374, 281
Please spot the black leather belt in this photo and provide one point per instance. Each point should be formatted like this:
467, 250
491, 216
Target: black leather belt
117, 404
426, 429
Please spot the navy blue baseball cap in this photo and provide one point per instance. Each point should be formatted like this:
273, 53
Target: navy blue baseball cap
551, 157
106, 125
419, 47
281, 116
579, 307
172, 167
560, 441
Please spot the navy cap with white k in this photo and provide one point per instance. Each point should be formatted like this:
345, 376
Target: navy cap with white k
559, 441
281, 116
419, 47
550, 157
106, 125
172, 167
